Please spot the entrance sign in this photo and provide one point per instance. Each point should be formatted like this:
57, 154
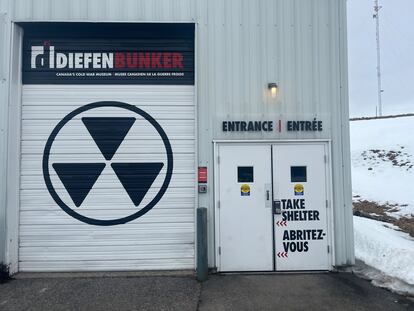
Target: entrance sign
307, 126
247, 126
268, 126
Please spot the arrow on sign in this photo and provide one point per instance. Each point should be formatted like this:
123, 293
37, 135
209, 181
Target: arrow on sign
282, 255
281, 223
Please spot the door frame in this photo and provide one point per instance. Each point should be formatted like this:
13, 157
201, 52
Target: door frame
329, 186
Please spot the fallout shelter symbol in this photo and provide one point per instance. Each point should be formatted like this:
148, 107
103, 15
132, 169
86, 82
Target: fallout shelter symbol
108, 133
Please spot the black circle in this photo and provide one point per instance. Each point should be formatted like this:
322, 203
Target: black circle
123, 220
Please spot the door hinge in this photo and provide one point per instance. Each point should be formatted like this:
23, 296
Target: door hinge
218, 159
218, 204
219, 250
325, 158
326, 203
328, 249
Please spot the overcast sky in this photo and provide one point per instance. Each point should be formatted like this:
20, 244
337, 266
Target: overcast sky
397, 52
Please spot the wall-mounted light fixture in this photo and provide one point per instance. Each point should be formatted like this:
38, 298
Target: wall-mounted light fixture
273, 89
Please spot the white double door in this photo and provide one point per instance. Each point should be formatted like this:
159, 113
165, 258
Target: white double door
272, 207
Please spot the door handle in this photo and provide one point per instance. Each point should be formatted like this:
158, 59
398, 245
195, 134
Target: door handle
268, 195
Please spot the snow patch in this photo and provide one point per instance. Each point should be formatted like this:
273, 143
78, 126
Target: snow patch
388, 251
380, 279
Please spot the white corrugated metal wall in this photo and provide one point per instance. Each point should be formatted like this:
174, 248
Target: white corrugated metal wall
241, 46
5, 31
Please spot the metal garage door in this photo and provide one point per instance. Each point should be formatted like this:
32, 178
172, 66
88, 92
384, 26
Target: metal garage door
107, 171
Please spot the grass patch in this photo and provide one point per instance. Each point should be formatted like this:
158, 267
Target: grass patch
373, 210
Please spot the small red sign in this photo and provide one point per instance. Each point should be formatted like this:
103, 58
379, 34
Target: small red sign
202, 174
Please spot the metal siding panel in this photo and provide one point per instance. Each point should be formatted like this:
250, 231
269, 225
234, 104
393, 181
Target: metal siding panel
349, 258
4, 6
104, 10
4, 99
161, 239
339, 225
12, 149
78, 10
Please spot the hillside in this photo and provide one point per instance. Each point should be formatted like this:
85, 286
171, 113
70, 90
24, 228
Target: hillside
383, 163
382, 152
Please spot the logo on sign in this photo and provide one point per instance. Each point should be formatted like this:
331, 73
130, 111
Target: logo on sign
47, 57
245, 190
299, 189
83, 185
